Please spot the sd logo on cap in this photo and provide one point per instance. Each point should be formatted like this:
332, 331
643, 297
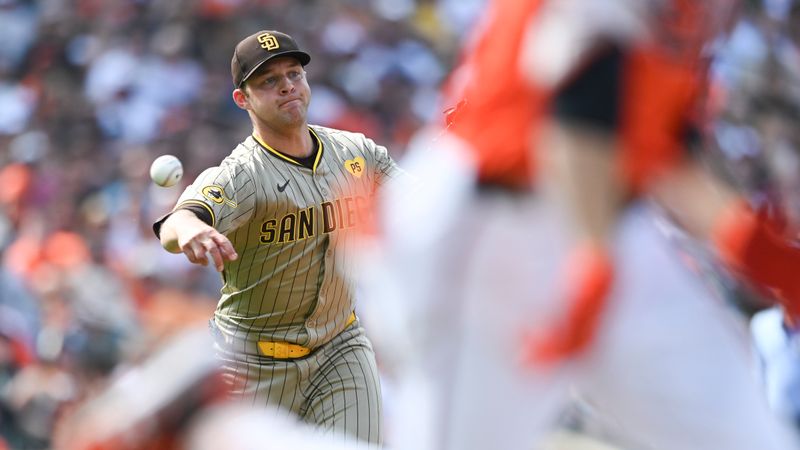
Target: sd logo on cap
254, 50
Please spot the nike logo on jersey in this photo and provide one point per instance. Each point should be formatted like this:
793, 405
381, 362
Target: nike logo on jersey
282, 188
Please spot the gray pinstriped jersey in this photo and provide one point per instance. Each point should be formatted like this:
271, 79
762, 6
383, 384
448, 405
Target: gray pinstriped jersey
290, 226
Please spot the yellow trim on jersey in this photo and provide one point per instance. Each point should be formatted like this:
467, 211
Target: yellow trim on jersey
319, 149
274, 152
290, 159
203, 204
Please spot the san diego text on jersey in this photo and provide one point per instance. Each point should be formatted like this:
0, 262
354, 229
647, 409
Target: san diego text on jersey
342, 213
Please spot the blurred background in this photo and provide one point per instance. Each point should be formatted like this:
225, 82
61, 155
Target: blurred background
91, 91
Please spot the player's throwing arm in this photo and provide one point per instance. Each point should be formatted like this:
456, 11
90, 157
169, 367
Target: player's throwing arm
184, 233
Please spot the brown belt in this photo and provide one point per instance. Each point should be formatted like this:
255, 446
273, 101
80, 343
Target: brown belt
286, 350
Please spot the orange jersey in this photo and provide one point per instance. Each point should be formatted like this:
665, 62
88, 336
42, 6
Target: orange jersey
500, 109
665, 86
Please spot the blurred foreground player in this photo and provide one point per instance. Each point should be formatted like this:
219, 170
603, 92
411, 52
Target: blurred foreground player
556, 214
176, 399
151, 404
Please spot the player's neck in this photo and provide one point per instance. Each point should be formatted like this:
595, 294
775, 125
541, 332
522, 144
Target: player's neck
295, 142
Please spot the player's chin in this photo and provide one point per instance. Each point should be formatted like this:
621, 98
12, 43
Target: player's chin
294, 115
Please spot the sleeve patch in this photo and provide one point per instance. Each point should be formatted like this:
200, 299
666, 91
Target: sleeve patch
355, 166
217, 195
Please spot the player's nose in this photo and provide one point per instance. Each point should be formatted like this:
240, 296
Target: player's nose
286, 86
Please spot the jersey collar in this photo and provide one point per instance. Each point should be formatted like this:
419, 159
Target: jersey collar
290, 159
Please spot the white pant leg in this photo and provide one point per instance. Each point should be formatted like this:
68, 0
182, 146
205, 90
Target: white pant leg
673, 368
476, 271
508, 290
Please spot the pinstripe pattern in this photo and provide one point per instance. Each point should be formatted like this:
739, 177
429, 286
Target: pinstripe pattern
291, 226
335, 388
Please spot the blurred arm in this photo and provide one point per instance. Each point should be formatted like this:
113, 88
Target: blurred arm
582, 171
694, 197
578, 160
749, 242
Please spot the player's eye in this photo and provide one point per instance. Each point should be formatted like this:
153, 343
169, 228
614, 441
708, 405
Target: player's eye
294, 75
271, 82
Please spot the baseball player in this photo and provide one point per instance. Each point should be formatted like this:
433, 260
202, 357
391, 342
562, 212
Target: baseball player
276, 218
544, 198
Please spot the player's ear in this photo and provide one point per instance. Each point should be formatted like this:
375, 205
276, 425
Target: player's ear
240, 98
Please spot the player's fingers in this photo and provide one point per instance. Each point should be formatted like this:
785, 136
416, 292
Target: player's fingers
200, 257
226, 247
195, 252
213, 252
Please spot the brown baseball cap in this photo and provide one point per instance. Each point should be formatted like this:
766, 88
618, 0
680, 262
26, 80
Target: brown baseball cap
254, 50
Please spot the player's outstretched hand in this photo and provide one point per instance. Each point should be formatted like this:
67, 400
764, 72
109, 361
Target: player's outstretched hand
208, 245
200, 242
589, 277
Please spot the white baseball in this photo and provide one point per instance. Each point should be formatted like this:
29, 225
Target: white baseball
166, 170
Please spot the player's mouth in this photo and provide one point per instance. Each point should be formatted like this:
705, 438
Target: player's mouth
291, 102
